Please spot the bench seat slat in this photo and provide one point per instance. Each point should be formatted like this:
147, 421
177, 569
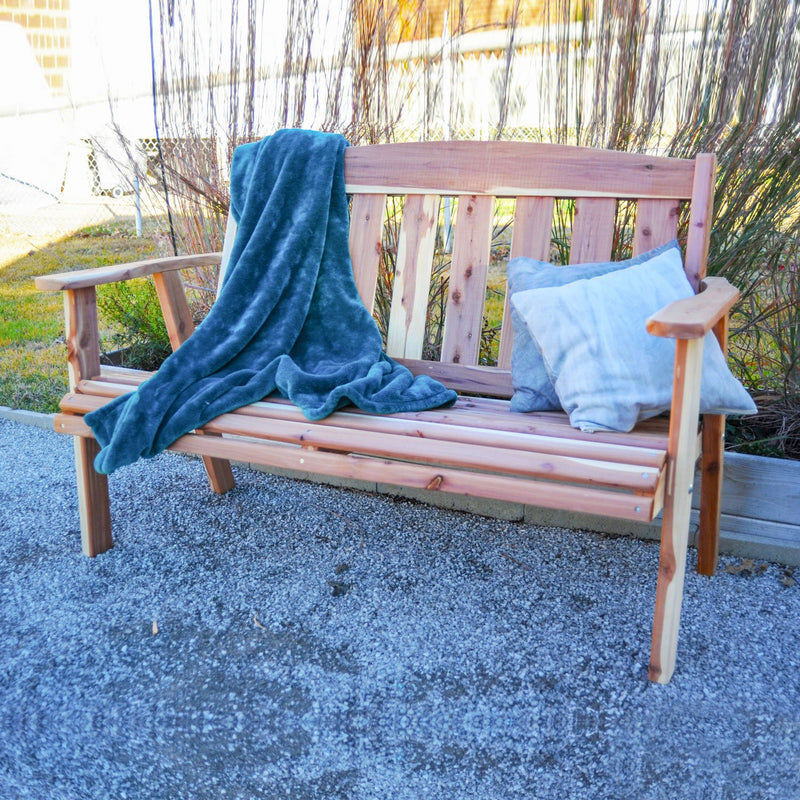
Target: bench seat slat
467, 421
494, 415
432, 451
533, 456
546, 494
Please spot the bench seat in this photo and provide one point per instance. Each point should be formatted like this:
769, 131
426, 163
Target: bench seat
477, 447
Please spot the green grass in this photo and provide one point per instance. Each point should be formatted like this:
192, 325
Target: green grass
33, 355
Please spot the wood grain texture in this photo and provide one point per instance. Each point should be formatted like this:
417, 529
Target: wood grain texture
469, 378
711, 475
461, 425
592, 230
83, 339
501, 487
695, 316
466, 294
700, 218
93, 500
711, 493
492, 458
531, 234
476, 412
512, 169
758, 489
412, 278
656, 224
677, 508
175, 309
84, 278
366, 229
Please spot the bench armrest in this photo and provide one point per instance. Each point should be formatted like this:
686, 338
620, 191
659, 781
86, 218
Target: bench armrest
85, 278
695, 316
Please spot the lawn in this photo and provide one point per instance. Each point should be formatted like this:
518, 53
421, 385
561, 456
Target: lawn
33, 358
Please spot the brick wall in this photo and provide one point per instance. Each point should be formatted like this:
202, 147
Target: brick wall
472, 15
482, 14
47, 25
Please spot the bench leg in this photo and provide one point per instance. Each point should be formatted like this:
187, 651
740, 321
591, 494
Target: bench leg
710, 493
711, 476
180, 325
93, 500
669, 593
677, 509
218, 470
220, 474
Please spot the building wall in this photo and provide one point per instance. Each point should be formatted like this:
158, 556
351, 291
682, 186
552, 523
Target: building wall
47, 26
471, 15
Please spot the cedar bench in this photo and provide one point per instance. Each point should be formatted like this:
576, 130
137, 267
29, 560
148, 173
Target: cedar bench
478, 446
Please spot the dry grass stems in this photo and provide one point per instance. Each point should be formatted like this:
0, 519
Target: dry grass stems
668, 78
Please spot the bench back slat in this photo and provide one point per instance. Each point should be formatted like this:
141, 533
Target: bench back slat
466, 295
699, 234
656, 224
416, 245
534, 176
530, 236
593, 229
366, 231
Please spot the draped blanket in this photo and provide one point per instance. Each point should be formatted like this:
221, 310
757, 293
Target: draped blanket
288, 318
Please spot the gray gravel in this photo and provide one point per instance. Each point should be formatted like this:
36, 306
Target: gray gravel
312, 642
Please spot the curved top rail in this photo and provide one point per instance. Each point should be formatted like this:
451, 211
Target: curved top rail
515, 169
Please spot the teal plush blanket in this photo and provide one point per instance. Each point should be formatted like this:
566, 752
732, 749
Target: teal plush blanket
288, 318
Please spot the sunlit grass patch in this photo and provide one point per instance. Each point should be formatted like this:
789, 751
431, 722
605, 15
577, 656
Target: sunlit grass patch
33, 356
33, 376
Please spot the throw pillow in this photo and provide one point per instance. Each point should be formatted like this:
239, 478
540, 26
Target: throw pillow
533, 389
607, 370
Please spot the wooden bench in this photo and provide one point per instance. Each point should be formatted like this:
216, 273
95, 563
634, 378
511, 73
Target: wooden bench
477, 447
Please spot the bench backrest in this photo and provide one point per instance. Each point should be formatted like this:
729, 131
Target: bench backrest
524, 186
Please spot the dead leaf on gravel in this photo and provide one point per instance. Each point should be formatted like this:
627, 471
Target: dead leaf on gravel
747, 567
256, 622
787, 579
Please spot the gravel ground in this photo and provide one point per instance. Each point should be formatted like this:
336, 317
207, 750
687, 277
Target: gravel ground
299, 641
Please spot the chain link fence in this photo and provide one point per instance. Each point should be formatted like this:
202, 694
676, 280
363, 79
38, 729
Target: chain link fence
91, 186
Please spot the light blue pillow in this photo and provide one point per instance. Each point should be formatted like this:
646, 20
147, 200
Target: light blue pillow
607, 370
533, 389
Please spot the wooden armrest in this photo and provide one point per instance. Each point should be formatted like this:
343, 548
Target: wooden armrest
82, 279
695, 316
